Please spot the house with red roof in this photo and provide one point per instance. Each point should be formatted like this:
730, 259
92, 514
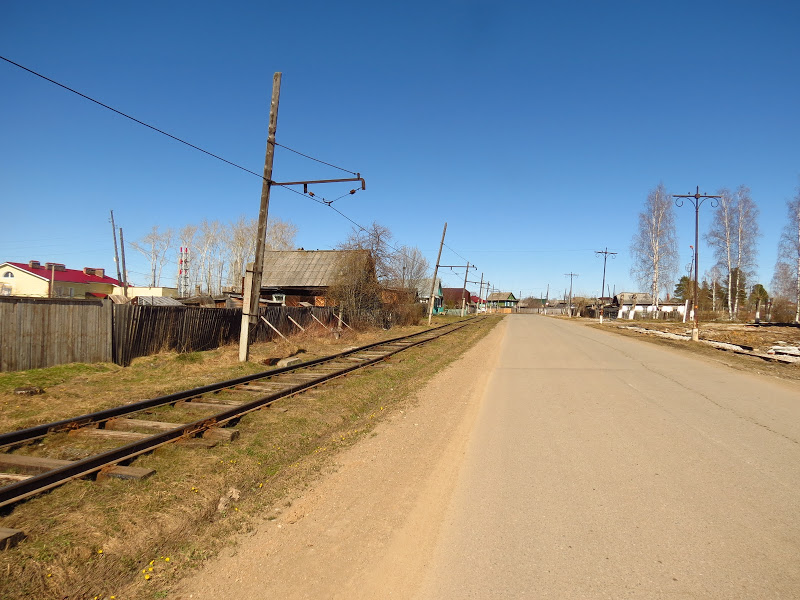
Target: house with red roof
54, 280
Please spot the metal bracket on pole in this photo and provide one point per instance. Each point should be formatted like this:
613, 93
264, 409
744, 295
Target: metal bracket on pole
305, 184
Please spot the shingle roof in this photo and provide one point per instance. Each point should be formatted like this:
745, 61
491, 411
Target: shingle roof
305, 268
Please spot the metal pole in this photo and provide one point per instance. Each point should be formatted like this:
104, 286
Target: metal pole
697, 200
431, 300
250, 312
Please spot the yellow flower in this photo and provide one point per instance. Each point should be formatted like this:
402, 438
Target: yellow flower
150, 569
147, 576
152, 561
49, 574
166, 559
260, 485
100, 551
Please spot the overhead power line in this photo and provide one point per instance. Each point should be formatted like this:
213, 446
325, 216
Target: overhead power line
313, 197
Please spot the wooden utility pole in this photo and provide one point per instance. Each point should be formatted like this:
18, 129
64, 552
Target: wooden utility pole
571, 276
124, 270
431, 300
116, 252
251, 300
464, 290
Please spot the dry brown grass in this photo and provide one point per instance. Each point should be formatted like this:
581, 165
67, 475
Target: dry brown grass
174, 515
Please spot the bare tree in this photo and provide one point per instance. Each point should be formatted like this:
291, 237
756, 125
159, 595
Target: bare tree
408, 266
375, 238
654, 248
786, 280
154, 247
732, 237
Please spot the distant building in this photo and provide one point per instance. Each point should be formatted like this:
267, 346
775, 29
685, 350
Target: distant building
54, 280
503, 302
424, 293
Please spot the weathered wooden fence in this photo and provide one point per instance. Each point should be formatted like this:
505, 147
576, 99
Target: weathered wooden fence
43, 332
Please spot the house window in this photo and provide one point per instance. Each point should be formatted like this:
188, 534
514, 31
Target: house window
8, 274
5, 290
71, 292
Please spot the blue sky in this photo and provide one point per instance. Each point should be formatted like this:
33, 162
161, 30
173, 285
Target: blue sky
535, 129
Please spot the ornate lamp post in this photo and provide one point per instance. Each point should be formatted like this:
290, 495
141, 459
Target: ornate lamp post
697, 200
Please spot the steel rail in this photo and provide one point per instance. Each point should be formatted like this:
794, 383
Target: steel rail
20, 490
39, 431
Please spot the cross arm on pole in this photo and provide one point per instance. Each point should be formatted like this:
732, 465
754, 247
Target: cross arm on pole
306, 183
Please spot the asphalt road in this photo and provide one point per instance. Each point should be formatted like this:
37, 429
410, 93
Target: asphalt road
601, 466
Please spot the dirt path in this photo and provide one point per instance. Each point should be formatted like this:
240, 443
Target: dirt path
330, 542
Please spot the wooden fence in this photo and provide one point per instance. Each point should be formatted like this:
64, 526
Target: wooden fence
43, 332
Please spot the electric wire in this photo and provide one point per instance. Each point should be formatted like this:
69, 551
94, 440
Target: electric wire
322, 201
161, 131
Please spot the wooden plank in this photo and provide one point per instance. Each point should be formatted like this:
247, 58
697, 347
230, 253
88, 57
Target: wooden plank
30, 464
110, 434
122, 424
120, 472
206, 405
10, 537
221, 434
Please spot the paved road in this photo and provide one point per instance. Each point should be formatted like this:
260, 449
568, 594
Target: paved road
605, 467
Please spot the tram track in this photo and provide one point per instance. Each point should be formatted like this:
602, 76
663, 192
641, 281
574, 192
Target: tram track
224, 403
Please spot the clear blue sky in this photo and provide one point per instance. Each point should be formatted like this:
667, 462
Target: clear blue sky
535, 129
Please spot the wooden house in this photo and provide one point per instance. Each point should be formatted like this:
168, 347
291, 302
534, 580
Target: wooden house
501, 302
294, 276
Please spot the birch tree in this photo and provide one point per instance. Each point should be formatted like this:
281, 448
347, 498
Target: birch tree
786, 281
654, 248
733, 238
375, 238
154, 247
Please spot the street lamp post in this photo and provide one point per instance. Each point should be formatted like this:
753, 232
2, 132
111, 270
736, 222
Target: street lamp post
697, 200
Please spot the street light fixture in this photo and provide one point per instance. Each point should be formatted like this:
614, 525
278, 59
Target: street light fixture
697, 200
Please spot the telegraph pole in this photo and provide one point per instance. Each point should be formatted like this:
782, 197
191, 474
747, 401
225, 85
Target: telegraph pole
116, 252
250, 300
697, 200
605, 254
431, 300
464, 291
571, 276
124, 269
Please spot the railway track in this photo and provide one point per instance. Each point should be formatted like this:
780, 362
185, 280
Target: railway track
137, 426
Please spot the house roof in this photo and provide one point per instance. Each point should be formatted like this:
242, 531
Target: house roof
455, 294
498, 296
477, 300
66, 275
424, 287
157, 301
305, 268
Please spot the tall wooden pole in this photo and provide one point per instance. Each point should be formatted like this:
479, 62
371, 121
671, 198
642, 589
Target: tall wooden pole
435, 273
250, 309
464, 291
116, 252
124, 269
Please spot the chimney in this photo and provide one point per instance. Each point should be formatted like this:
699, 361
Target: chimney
54, 266
34, 264
88, 271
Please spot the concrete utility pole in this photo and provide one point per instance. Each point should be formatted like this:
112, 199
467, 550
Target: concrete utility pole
697, 200
605, 254
571, 276
431, 299
252, 294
